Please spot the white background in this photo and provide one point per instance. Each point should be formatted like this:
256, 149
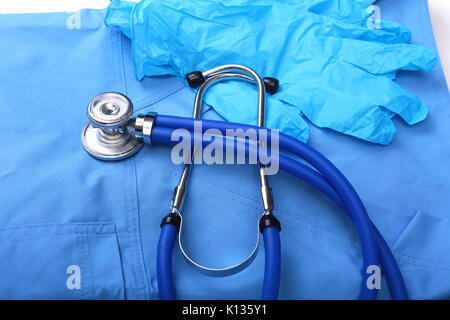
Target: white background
440, 14
440, 18
28, 6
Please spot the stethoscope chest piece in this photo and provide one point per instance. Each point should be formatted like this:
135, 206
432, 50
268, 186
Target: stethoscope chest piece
104, 136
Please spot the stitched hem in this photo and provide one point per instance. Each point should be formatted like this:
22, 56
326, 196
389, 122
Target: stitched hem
136, 264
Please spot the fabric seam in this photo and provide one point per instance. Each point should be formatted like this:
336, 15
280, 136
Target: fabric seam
133, 211
136, 284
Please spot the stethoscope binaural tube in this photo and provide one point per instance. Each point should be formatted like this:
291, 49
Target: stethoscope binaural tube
272, 264
390, 268
268, 225
335, 178
272, 268
167, 239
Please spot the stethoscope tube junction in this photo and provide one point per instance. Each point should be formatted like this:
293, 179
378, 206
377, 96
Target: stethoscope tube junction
114, 134
267, 220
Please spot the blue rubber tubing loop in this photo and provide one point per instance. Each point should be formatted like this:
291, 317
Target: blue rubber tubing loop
390, 268
393, 275
272, 269
388, 262
164, 273
394, 278
341, 185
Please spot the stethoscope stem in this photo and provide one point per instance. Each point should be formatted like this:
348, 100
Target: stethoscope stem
180, 190
210, 77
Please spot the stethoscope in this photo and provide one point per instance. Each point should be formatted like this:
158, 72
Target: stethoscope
114, 134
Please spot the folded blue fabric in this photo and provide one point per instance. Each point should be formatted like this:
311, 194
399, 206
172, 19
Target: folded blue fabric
334, 60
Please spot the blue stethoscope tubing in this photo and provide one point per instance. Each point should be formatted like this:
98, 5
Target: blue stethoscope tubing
272, 268
390, 268
331, 182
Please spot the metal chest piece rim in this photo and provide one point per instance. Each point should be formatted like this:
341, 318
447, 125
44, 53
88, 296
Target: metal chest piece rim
105, 136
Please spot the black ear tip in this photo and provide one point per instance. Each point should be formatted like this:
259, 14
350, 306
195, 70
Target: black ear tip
271, 84
195, 79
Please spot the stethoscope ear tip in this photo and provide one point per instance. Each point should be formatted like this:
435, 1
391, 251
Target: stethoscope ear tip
271, 84
195, 79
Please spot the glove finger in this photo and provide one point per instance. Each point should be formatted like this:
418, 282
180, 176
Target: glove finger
237, 102
349, 10
393, 97
343, 112
119, 14
287, 119
354, 84
379, 58
360, 19
382, 35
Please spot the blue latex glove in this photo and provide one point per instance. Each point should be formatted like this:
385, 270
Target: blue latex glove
332, 67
